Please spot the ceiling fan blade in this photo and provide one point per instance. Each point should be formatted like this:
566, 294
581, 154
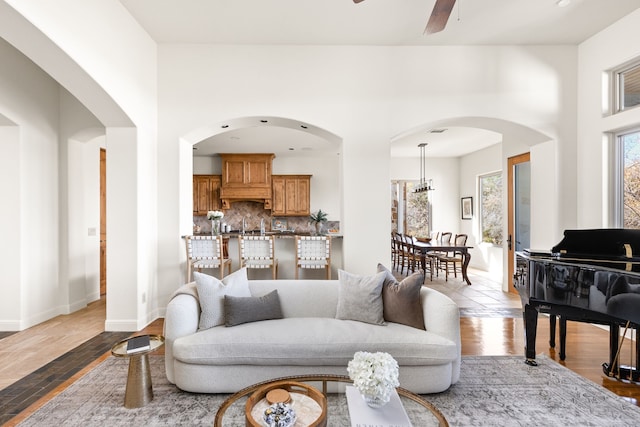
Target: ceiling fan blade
439, 16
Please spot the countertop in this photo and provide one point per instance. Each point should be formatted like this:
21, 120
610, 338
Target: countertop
276, 234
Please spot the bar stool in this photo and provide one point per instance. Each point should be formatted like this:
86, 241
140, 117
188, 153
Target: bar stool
258, 252
206, 252
313, 252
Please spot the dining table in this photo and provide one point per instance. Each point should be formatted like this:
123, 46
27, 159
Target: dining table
438, 246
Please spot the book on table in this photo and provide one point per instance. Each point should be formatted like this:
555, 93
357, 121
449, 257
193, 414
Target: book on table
391, 414
139, 343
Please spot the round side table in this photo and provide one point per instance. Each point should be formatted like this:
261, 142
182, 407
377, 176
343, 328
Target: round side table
139, 389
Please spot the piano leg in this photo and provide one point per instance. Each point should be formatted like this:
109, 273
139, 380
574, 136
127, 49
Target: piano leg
552, 331
530, 316
563, 338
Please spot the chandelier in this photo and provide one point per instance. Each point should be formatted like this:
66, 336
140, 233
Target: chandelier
425, 184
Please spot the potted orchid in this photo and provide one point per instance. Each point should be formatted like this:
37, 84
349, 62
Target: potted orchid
375, 375
215, 217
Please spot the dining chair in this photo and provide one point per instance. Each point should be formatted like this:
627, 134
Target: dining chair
444, 238
206, 252
313, 252
454, 257
412, 256
257, 252
394, 250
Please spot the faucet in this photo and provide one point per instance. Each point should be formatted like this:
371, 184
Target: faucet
244, 225
262, 227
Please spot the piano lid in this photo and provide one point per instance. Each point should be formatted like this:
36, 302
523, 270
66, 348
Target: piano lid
599, 244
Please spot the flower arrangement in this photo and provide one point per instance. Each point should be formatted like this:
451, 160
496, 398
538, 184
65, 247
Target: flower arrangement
280, 415
215, 215
374, 374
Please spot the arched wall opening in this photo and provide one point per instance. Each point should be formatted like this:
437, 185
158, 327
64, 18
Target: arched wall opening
457, 177
300, 148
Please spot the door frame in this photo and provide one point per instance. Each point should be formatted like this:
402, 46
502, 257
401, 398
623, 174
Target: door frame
511, 163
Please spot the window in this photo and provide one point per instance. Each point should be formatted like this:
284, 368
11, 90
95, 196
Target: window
491, 208
629, 147
627, 90
410, 212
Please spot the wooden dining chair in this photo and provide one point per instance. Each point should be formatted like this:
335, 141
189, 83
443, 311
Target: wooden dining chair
444, 238
454, 257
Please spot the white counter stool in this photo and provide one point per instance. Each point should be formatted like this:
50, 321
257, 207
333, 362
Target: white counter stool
313, 252
258, 252
206, 252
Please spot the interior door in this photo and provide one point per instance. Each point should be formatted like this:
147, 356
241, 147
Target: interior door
519, 222
103, 222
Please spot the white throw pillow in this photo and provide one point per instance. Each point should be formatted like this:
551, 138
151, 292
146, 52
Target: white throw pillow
211, 292
360, 298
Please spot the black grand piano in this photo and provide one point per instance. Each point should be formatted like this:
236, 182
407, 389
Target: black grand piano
590, 276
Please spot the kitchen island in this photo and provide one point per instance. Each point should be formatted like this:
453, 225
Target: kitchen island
285, 253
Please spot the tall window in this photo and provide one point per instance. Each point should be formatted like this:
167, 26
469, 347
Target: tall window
410, 212
630, 150
627, 81
491, 208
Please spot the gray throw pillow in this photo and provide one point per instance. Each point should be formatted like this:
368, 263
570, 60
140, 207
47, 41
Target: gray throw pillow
211, 292
360, 297
401, 300
238, 310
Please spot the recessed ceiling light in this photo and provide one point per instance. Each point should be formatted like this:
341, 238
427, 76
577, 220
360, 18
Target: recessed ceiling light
437, 130
563, 3
224, 126
291, 149
303, 126
195, 148
263, 121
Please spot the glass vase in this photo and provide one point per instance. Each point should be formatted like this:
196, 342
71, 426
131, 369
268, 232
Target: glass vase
375, 401
215, 227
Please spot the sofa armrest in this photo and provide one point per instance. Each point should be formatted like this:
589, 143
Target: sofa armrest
442, 317
181, 318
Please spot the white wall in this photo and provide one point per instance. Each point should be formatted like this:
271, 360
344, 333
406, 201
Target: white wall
115, 78
363, 101
31, 290
606, 50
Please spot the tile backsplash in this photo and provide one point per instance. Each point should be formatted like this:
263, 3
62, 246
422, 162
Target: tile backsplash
254, 212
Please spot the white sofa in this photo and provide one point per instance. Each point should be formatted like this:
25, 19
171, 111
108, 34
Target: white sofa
308, 339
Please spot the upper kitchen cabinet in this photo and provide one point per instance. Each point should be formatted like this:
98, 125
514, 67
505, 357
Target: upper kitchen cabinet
206, 193
246, 177
291, 195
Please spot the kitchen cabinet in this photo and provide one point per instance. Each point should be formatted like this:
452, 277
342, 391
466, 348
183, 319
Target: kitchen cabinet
246, 177
206, 193
291, 195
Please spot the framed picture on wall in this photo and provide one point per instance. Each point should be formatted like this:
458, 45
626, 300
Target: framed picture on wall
466, 206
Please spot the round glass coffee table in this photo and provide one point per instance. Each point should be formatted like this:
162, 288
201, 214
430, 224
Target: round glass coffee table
420, 412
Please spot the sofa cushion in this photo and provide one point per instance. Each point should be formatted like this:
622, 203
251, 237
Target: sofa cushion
211, 292
401, 300
238, 310
311, 342
360, 297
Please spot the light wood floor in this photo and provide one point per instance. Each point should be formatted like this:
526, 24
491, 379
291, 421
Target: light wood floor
587, 345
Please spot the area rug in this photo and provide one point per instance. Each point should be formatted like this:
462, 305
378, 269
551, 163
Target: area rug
492, 391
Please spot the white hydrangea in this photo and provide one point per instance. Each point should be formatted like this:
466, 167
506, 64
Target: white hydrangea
215, 215
374, 374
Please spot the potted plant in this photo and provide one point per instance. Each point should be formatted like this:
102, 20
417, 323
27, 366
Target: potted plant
318, 218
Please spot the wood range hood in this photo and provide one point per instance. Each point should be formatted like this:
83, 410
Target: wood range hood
246, 177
